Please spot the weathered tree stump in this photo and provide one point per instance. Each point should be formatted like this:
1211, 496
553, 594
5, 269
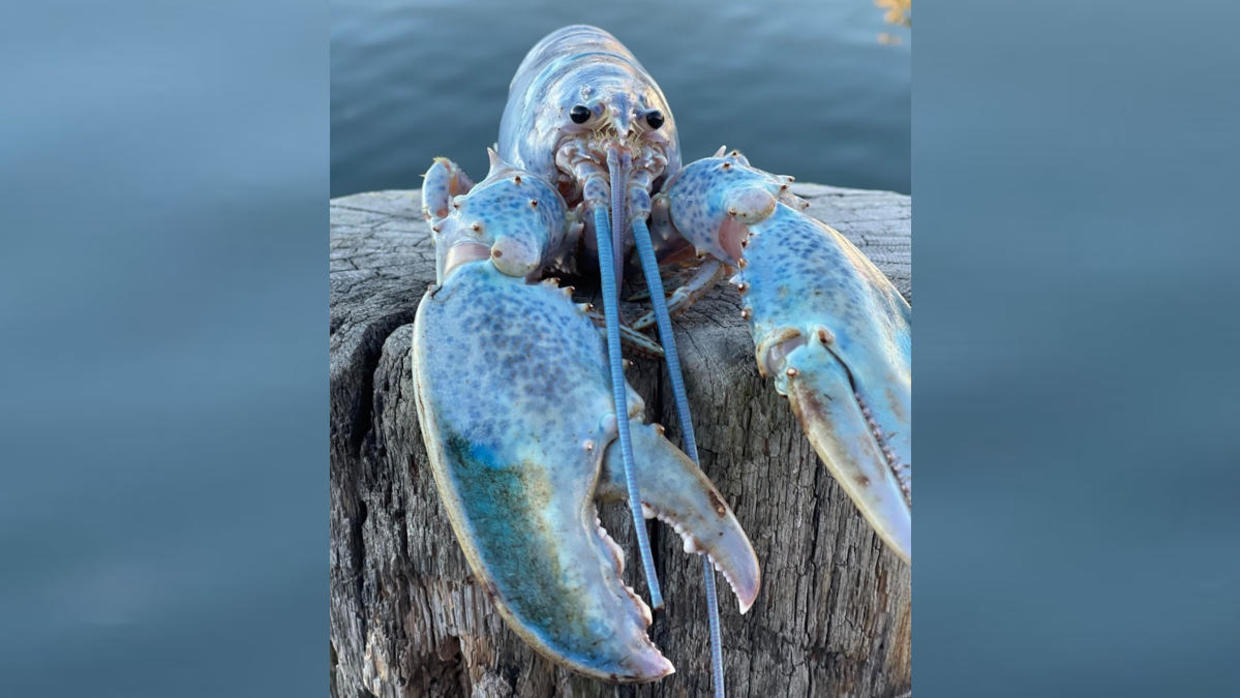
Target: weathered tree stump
833, 615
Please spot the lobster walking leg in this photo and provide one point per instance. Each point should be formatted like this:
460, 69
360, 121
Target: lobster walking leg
630, 337
686, 294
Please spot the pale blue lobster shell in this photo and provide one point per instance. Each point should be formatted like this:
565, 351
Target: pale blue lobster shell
549, 82
514, 394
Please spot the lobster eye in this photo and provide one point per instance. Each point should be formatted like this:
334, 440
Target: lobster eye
655, 119
579, 114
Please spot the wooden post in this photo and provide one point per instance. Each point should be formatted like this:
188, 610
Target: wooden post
833, 616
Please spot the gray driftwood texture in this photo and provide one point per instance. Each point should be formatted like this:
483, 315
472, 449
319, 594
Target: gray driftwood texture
833, 615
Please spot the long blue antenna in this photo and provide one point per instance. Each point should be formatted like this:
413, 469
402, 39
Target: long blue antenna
611, 312
650, 267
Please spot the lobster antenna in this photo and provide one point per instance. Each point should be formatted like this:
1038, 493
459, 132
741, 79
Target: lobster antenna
650, 268
611, 312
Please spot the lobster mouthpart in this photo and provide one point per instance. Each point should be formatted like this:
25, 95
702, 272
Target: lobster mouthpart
515, 406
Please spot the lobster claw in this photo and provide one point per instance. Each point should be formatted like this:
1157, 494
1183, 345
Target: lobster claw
856, 421
515, 406
680, 495
826, 323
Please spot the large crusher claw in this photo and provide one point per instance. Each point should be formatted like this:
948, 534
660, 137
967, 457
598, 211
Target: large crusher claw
826, 323
515, 405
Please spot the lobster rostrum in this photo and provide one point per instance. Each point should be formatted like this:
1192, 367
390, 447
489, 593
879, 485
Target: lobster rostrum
522, 402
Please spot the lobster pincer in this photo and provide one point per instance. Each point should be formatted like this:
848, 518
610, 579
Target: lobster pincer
514, 400
832, 331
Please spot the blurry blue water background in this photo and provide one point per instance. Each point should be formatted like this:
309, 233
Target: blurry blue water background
805, 89
163, 349
1077, 387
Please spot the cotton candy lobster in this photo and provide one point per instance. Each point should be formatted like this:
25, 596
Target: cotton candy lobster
522, 400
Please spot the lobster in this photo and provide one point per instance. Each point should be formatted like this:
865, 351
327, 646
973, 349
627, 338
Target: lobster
521, 397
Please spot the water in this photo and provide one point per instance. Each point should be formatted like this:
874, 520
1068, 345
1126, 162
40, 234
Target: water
163, 368
803, 89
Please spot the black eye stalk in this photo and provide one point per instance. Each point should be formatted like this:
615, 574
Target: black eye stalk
654, 118
579, 114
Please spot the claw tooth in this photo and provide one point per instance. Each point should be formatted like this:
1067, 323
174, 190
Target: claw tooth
825, 336
659, 428
792, 372
647, 512
741, 263
742, 287
744, 607
641, 605
746, 312
588, 445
